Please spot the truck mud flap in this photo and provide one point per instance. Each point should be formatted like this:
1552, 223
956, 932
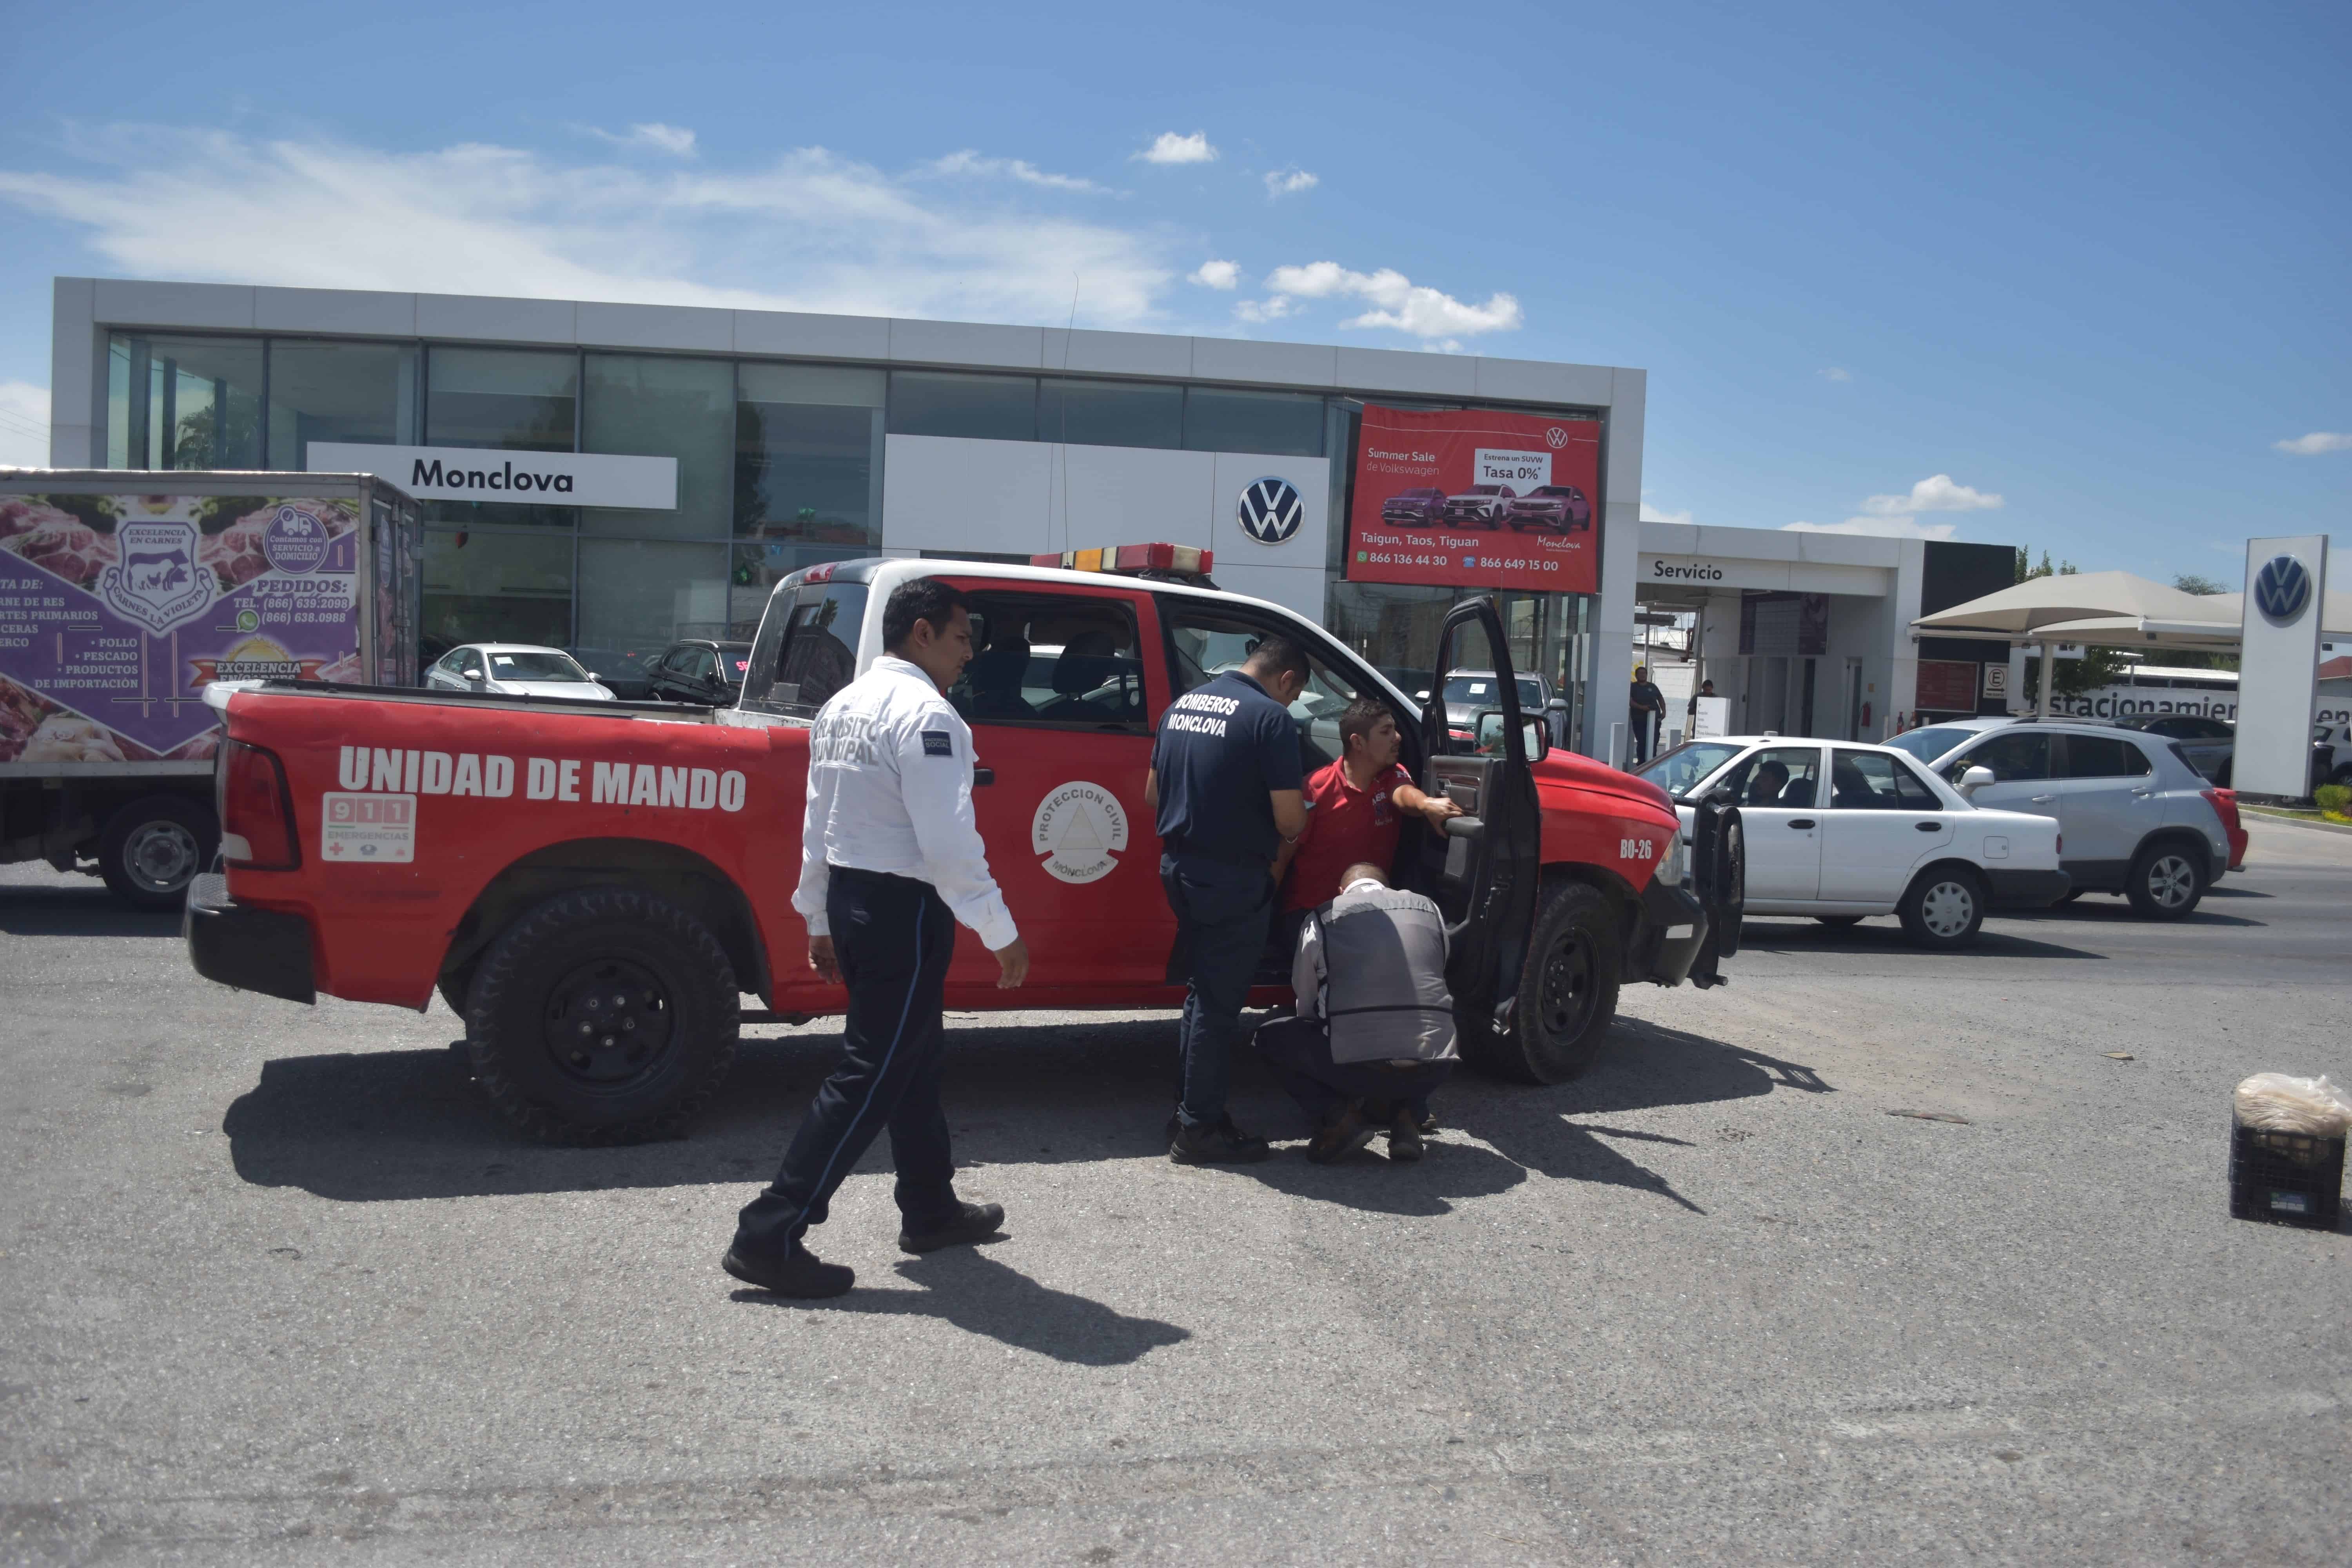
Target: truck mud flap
265, 950
1719, 878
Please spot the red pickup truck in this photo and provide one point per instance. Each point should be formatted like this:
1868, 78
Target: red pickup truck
593, 886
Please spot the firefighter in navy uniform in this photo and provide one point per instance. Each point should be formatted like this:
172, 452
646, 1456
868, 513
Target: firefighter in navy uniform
1226, 787
891, 860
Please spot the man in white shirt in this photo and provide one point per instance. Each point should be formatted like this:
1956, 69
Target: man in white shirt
891, 860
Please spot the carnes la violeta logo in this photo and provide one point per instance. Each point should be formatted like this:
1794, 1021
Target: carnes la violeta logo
493, 777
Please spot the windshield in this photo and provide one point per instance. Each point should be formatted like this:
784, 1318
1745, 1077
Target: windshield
1486, 692
1929, 745
547, 666
1687, 764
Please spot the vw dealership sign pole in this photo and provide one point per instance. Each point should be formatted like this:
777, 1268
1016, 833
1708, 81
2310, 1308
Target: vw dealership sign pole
2278, 664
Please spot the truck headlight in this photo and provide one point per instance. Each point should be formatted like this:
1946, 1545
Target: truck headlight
1670, 870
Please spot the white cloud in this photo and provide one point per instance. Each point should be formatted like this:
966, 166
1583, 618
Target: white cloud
1170, 148
970, 162
1881, 527
1935, 493
1280, 183
1398, 301
674, 139
1216, 274
807, 230
24, 425
2315, 443
1270, 309
1836, 373
1651, 514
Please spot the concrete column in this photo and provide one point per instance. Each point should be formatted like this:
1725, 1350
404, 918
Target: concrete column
77, 376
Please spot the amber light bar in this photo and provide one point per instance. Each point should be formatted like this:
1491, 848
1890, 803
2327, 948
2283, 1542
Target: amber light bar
1182, 558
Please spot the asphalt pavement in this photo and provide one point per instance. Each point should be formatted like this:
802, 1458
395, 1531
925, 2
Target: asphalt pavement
1871, 1256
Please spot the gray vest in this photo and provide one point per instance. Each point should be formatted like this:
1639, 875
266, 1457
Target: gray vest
1384, 969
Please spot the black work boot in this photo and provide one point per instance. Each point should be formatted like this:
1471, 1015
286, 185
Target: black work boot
1405, 1137
1222, 1144
794, 1272
978, 1222
1344, 1132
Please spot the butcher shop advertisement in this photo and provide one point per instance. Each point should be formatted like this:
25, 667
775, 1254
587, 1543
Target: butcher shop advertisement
1477, 498
115, 610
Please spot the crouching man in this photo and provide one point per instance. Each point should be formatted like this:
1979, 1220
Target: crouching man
1374, 1031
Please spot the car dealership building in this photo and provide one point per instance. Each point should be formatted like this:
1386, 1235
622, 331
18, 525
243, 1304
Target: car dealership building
673, 461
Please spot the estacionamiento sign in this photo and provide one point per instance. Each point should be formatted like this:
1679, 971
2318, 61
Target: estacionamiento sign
470, 473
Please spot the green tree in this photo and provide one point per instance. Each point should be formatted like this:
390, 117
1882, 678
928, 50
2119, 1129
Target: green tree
2193, 658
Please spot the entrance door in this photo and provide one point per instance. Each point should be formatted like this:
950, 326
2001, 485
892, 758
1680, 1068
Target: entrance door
1056, 698
1853, 700
1482, 877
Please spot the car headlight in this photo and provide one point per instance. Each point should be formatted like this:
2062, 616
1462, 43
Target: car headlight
1677, 863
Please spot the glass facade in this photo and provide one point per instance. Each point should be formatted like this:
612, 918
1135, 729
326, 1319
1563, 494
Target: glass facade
780, 467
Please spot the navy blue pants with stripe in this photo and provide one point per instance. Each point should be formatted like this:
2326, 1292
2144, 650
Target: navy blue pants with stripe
894, 938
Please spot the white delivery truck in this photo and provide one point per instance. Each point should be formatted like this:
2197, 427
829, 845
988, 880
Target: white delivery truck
123, 592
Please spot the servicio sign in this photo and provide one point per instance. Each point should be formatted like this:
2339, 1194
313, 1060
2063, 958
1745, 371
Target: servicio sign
476, 474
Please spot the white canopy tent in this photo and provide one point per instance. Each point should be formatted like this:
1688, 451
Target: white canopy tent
2109, 609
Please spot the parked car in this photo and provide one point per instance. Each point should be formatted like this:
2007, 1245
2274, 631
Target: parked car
1563, 509
699, 670
2331, 753
1414, 509
622, 671
1468, 691
2139, 819
1842, 832
2208, 743
514, 669
1480, 506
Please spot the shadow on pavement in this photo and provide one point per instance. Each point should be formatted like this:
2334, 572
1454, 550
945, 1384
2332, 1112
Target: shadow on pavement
974, 1292
1882, 934
394, 1125
78, 911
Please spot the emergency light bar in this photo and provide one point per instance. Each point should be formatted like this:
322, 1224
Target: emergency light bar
1186, 559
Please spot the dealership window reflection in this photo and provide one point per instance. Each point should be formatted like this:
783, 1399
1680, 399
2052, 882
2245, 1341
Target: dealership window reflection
808, 462
495, 587
184, 402
650, 406
364, 393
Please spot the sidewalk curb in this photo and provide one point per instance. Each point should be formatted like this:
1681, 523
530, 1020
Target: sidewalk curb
2260, 814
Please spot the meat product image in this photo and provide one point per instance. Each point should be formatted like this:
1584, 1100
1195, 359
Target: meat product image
200, 749
21, 713
55, 541
234, 552
345, 669
70, 738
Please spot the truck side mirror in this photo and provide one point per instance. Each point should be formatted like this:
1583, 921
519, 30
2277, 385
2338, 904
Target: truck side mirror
1975, 779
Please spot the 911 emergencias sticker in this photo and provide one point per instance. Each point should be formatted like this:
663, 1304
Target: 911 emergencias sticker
367, 829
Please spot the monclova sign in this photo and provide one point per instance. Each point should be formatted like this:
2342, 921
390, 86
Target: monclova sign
470, 473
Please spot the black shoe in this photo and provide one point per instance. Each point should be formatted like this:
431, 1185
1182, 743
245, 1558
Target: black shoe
1224, 1145
1429, 1124
978, 1222
1344, 1133
796, 1272
1404, 1138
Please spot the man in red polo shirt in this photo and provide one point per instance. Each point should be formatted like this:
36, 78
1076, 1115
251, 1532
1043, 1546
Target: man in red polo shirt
1356, 809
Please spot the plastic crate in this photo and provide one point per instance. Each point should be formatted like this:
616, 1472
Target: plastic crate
2289, 1178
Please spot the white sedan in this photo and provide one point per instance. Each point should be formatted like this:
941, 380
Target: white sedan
514, 669
1842, 832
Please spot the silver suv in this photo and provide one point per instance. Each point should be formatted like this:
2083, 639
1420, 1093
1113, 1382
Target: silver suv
2133, 816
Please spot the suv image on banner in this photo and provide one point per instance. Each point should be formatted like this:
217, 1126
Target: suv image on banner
1560, 508
1414, 509
1480, 506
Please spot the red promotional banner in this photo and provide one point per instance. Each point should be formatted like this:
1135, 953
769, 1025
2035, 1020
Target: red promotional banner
1472, 498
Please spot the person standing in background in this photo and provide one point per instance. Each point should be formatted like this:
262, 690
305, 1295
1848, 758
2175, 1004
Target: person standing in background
1645, 706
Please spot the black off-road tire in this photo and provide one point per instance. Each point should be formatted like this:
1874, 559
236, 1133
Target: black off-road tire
1944, 908
2167, 881
1574, 945
151, 849
654, 993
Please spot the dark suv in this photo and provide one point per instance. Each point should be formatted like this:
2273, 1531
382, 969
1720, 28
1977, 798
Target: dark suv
1413, 509
695, 669
1560, 508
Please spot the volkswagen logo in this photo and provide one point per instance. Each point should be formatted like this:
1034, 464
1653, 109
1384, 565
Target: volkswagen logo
1272, 509
1554, 437
2281, 588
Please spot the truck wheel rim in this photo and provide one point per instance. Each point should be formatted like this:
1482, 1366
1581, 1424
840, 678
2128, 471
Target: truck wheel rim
160, 856
1568, 992
2168, 882
1947, 909
609, 1023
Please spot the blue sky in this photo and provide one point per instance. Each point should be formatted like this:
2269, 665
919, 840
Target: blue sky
2061, 277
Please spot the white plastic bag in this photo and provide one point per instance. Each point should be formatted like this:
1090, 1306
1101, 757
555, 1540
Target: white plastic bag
2273, 1102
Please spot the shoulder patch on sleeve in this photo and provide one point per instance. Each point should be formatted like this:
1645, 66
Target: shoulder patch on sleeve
938, 743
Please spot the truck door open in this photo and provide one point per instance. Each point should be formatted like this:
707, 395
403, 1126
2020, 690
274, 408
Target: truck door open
1484, 870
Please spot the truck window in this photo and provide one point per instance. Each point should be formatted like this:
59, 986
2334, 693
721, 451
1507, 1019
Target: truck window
1053, 659
1205, 640
807, 651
